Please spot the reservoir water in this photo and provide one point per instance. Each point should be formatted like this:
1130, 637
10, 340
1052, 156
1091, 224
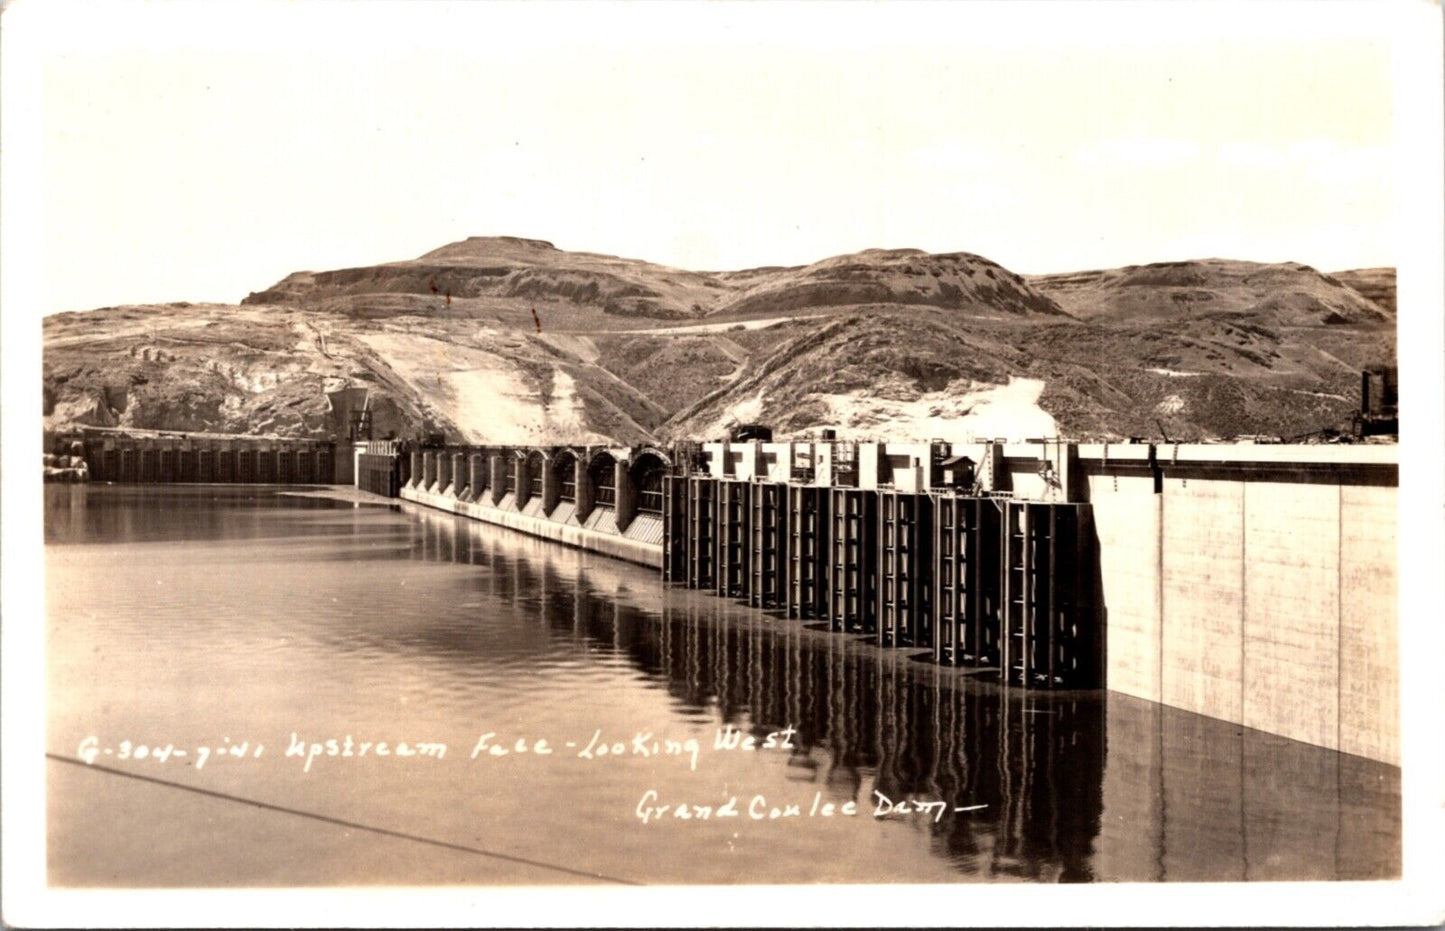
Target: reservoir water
247, 627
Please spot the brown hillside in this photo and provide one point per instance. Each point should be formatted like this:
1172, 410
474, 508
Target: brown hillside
514, 341
1289, 294
1374, 284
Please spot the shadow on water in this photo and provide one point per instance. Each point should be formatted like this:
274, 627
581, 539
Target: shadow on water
1078, 786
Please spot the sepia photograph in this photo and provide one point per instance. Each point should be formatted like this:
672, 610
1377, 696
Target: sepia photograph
717, 464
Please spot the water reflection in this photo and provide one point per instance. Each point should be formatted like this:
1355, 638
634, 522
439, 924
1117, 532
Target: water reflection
1077, 786
147, 513
374, 618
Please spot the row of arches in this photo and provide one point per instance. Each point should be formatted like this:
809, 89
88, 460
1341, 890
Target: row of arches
553, 476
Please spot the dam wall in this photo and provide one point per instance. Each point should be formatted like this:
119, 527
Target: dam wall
1251, 583
603, 499
1256, 584
164, 458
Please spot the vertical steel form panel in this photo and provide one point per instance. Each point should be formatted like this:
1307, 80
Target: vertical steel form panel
734, 543
267, 460
768, 587
1048, 630
186, 465
325, 464
702, 535
852, 575
905, 542
967, 583
807, 552
245, 466
674, 529
284, 463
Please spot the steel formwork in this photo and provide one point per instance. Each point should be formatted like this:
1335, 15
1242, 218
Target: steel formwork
905, 543
675, 528
734, 542
1047, 641
807, 556
852, 570
702, 536
967, 582
768, 524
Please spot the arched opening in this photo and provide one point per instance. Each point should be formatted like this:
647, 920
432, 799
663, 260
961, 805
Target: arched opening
603, 470
647, 473
536, 469
564, 471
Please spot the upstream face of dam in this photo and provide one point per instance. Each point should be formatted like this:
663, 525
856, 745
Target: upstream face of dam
1251, 583
843, 662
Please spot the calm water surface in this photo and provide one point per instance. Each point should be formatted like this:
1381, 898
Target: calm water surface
216, 617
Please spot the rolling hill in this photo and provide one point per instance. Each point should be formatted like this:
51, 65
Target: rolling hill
511, 340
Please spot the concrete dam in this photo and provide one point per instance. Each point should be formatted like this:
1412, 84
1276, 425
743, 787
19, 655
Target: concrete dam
1254, 583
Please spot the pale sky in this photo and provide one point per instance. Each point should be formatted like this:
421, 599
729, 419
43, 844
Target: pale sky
198, 152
